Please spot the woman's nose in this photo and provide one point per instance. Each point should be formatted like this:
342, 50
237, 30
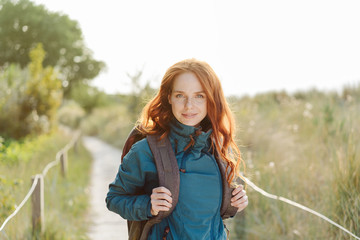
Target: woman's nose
189, 102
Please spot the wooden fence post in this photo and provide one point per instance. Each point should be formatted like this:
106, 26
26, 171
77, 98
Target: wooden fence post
63, 161
76, 145
37, 200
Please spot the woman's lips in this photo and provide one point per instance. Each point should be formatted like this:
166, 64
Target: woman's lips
189, 115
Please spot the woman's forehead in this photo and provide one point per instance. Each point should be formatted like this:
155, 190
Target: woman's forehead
187, 82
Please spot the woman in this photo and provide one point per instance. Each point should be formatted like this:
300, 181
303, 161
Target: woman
191, 110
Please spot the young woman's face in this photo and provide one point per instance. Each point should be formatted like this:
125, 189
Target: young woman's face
188, 99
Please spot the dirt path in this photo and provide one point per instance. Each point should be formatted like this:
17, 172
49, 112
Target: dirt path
106, 224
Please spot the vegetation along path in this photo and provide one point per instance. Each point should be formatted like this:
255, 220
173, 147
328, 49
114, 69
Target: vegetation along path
105, 224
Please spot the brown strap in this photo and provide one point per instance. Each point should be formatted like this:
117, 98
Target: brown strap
226, 209
168, 174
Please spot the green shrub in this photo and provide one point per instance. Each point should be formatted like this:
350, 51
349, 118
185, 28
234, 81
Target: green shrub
71, 114
88, 97
7, 200
29, 97
21, 151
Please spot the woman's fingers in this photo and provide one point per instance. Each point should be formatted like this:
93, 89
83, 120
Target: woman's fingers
238, 196
237, 193
237, 190
161, 205
161, 193
242, 206
241, 203
161, 200
161, 196
239, 199
161, 190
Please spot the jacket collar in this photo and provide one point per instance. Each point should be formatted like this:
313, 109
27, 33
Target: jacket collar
188, 137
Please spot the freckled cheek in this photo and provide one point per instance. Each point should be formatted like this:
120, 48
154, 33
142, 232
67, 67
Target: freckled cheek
176, 110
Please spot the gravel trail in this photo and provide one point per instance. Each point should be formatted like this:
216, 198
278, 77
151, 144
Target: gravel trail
106, 160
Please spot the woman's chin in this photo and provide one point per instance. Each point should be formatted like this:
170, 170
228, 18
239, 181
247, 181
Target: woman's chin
190, 122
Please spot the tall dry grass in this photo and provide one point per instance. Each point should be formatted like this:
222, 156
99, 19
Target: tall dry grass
112, 124
304, 147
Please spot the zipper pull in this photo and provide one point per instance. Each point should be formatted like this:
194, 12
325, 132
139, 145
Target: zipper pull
166, 232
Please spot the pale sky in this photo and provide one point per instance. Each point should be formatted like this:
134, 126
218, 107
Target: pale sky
254, 46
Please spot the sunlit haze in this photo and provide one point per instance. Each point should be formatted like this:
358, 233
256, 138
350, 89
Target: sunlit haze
254, 46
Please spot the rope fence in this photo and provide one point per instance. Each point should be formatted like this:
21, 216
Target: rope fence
36, 190
295, 204
28, 195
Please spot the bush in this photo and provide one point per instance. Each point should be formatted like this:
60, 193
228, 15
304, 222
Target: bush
14, 152
71, 114
88, 97
7, 201
29, 97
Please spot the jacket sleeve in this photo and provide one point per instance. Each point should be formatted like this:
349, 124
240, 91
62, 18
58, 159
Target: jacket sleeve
126, 195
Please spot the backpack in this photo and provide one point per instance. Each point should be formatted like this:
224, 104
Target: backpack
169, 177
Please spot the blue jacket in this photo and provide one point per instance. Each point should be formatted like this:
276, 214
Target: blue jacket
197, 213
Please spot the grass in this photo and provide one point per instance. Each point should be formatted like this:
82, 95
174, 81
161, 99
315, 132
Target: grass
306, 148
66, 199
112, 124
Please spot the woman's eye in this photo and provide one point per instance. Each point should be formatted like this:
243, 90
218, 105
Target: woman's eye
200, 96
179, 96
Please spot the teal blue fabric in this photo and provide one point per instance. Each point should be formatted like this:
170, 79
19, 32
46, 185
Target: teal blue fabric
197, 214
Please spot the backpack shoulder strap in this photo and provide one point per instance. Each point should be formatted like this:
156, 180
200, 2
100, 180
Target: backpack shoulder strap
168, 174
226, 209
134, 136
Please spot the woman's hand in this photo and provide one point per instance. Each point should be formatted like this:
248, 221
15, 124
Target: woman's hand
161, 200
239, 199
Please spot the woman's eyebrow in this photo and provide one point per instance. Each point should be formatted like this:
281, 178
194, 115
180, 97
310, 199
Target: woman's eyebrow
179, 91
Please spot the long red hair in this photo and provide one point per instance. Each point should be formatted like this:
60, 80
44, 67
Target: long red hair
157, 114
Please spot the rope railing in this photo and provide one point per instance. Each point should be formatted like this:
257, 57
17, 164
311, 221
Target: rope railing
295, 204
60, 153
38, 177
52, 164
28, 195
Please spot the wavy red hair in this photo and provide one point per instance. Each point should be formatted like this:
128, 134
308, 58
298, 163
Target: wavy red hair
157, 114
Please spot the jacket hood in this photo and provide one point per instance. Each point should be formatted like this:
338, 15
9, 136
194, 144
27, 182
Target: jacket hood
189, 138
